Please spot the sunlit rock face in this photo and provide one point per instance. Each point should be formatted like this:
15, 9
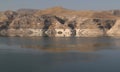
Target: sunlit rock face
115, 30
57, 22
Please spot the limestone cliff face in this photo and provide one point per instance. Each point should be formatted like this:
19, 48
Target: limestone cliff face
58, 22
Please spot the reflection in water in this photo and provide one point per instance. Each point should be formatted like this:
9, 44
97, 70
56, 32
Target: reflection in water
89, 47
59, 54
60, 45
74, 44
63, 44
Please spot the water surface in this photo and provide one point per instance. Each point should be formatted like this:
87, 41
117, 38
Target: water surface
59, 54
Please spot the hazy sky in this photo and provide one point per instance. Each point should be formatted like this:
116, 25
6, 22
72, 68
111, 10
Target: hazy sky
70, 4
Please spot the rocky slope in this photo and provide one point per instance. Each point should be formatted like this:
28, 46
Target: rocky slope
59, 22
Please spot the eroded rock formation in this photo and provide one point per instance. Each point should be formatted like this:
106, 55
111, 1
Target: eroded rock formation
59, 22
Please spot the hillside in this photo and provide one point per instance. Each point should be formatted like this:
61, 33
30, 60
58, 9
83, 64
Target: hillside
51, 21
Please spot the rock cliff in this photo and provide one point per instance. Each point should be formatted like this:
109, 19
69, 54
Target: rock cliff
59, 22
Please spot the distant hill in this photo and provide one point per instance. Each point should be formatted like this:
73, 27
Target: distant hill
82, 13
